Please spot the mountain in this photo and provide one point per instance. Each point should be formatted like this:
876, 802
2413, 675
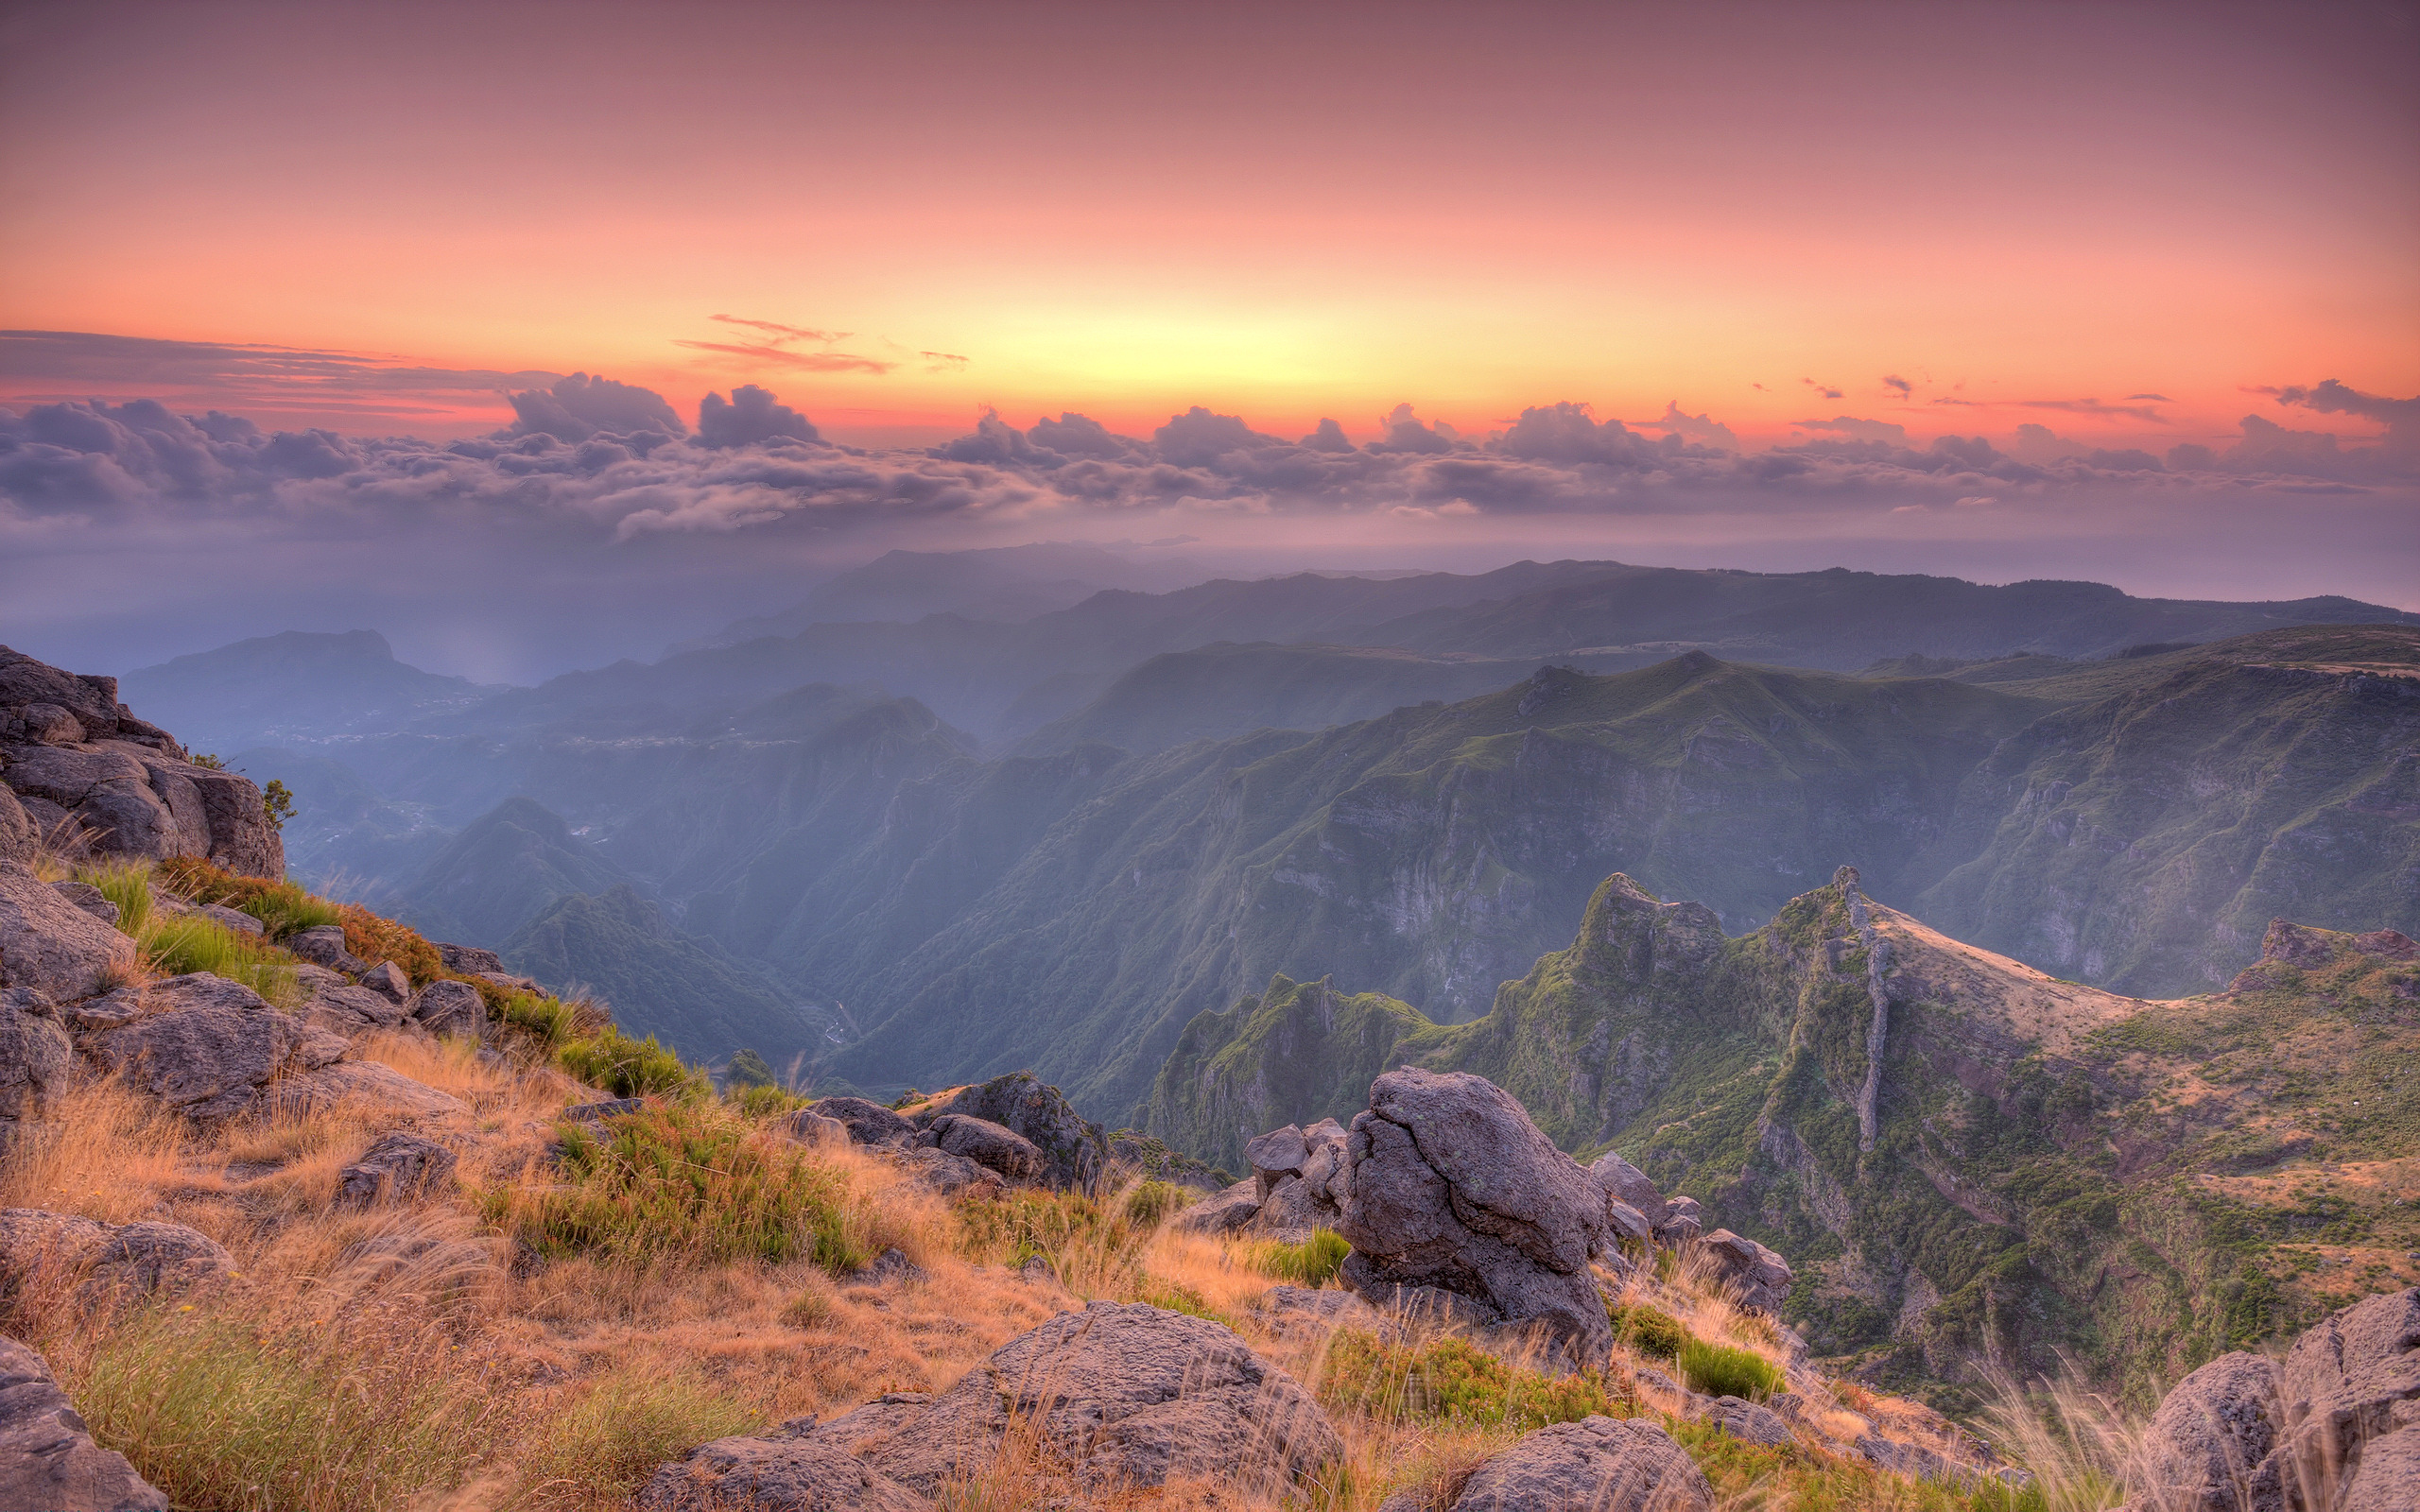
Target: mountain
2143, 841
1965, 1159
1005, 584
502, 869
279, 687
686, 991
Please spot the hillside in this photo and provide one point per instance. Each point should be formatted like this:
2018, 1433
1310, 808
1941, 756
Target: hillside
2039, 1167
297, 685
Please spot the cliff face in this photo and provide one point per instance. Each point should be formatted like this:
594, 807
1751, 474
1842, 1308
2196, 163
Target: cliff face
79, 770
2017, 1166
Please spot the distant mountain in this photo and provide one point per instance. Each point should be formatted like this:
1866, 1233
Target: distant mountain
686, 991
503, 870
296, 685
1005, 584
1994, 1165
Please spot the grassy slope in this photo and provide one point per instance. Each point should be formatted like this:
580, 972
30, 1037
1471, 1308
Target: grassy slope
2057, 1168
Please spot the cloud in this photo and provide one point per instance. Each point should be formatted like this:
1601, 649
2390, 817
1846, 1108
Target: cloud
776, 349
1822, 390
1898, 385
1328, 437
2332, 398
38, 365
2157, 398
1704, 429
578, 406
751, 416
787, 332
943, 361
2094, 407
1857, 430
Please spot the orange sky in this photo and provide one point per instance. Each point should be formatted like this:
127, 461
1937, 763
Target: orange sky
1126, 211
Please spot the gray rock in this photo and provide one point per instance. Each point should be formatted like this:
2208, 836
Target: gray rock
946, 1174
1915, 1461
1746, 1420
334, 1003
1683, 1221
34, 1053
363, 1084
33, 1241
1454, 1187
470, 960
1760, 1277
2207, 1447
320, 1047
2350, 1383
449, 1008
234, 920
1626, 1223
131, 1259
512, 983
52, 946
399, 1167
808, 1127
1625, 1182
1596, 1465
1225, 1213
19, 835
90, 899
869, 1123
1300, 1313
1075, 1149
323, 945
1126, 1398
1294, 1210
108, 1011
1014, 1156
388, 980
209, 1052
2388, 1476
1275, 1156
47, 1456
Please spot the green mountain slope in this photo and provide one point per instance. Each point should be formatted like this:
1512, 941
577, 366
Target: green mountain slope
660, 981
2041, 1167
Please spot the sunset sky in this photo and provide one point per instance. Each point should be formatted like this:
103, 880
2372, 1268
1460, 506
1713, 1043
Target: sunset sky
2125, 225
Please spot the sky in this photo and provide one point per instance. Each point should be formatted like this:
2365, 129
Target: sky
2148, 272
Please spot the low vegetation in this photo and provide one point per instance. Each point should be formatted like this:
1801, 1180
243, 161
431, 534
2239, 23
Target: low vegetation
1313, 1262
1454, 1379
1720, 1371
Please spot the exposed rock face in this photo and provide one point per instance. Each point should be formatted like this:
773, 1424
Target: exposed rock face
52, 946
1596, 1465
470, 959
323, 945
1762, 1277
90, 899
136, 1257
363, 1084
1073, 1146
1628, 1184
213, 1051
1453, 1187
1746, 1420
47, 1456
869, 1123
79, 764
2335, 1428
1011, 1154
337, 1005
388, 980
1303, 1177
1129, 1397
450, 1007
1224, 1213
17, 837
34, 1054
398, 1168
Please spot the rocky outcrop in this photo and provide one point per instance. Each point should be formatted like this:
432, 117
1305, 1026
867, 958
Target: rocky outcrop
34, 1054
49, 944
47, 1456
448, 1006
399, 1167
1596, 1465
2335, 1428
334, 1003
1074, 1151
1757, 1276
209, 1051
988, 1144
82, 769
868, 1122
1454, 1188
1877, 992
134, 1258
1126, 1398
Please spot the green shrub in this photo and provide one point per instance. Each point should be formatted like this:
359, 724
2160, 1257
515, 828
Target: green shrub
126, 883
1151, 1203
1452, 1379
1312, 1262
219, 1413
602, 1448
1178, 1297
173, 945
761, 1101
690, 1185
281, 906
1650, 1331
1720, 1372
628, 1068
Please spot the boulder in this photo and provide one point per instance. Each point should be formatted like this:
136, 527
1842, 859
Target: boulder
19, 835
1684, 1220
52, 946
332, 1003
1596, 1465
365, 1086
34, 1053
1301, 1312
2208, 1448
1073, 1146
448, 1007
869, 1123
234, 920
47, 1456
1126, 1398
1226, 1212
90, 899
469, 960
108, 1011
808, 1127
212, 1050
1745, 1420
135, 1258
2350, 1392
388, 980
1275, 1156
1759, 1277
1625, 1182
399, 1167
987, 1143
1453, 1187
323, 945
946, 1174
